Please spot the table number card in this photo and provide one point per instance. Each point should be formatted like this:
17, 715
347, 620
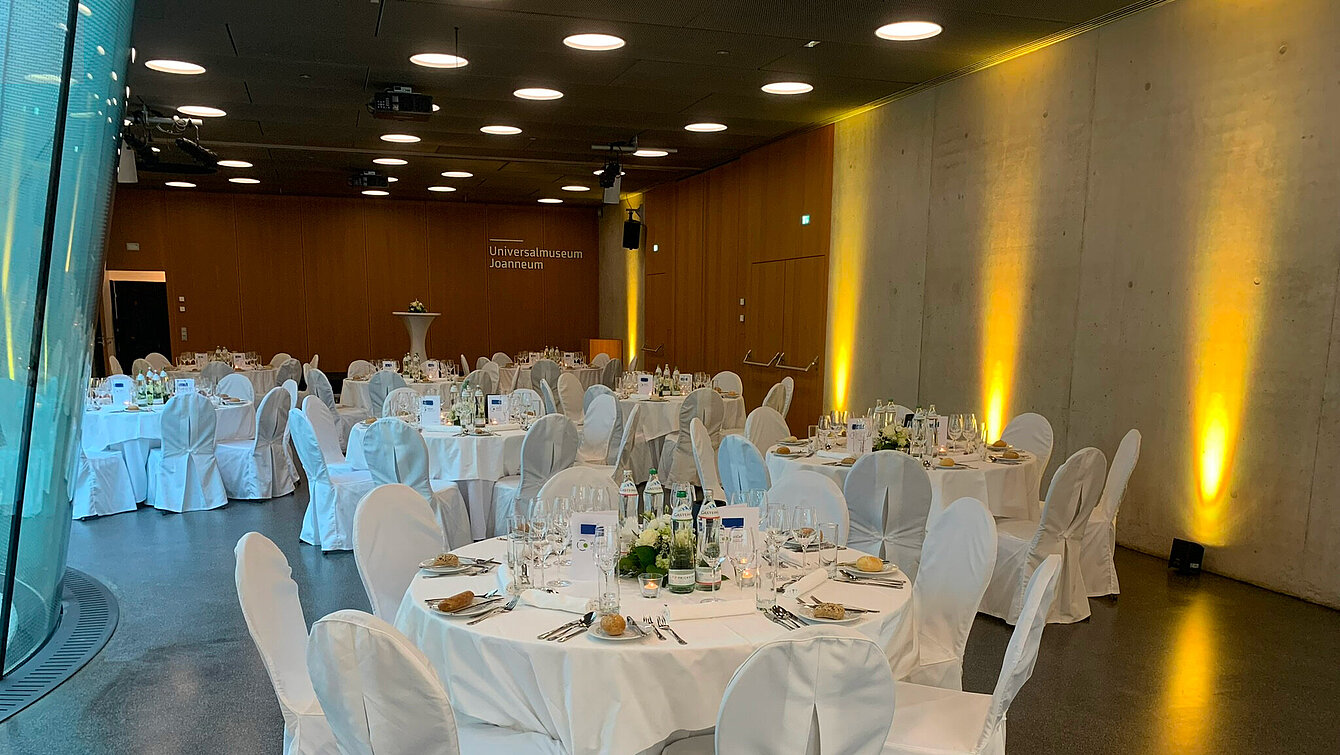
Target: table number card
858, 437
388, 364
583, 528
239, 360
644, 384
430, 410
685, 382
568, 356
432, 369
201, 359
739, 517
496, 409
121, 391
184, 386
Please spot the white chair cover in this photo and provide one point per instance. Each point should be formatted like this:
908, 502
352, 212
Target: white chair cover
802, 487
704, 460
632, 451
344, 417
116, 365
327, 433
482, 380
593, 393
889, 496
494, 371
501, 359
396, 453
741, 466
597, 429
776, 399
545, 369
401, 401
609, 374
570, 397
332, 496
158, 361
1022, 544
273, 612
258, 469
765, 427
550, 445
547, 397
933, 720
480, 362
1033, 433
237, 386
1099, 541
359, 369
292, 387
676, 463
530, 395
633, 364
728, 381
465, 364
566, 481
393, 532
600, 360
380, 386
956, 564
183, 474
789, 386
101, 485
279, 359
291, 369
213, 372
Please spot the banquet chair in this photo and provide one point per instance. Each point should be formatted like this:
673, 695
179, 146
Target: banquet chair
889, 496
676, 463
802, 487
595, 391
633, 364
115, 365
273, 612
566, 481
480, 362
289, 370
183, 473
158, 361
741, 466
530, 395
279, 359
382, 697
327, 433
344, 417
257, 468
501, 359
609, 374
140, 366
380, 385
482, 380
1021, 544
393, 532
547, 398
956, 563
236, 385
550, 445
705, 460
765, 427
570, 397
332, 493
1099, 539
465, 365
789, 389
213, 372
101, 484
396, 453
597, 429
402, 402
545, 369
820, 689
631, 450
1032, 433
936, 720
291, 386
359, 369
776, 399
728, 381
600, 360
495, 372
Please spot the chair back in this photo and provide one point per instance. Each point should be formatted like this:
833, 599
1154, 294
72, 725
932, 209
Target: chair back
593, 392
570, 397
480, 379
115, 365
481, 362
788, 384
494, 371
776, 399
676, 463
545, 369
1123, 464
741, 466
728, 381
802, 487
237, 386
396, 453
1071, 498
705, 460
272, 419
630, 450
319, 385
359, 369
213, 372
279, 359
402, 401
565, 481
1033, 433
600, 360
323, 425
765, 427
291, 386
465, 364
307, 446
956, 564
547, 397
550, 446
597, 429
378, 691
609, 374
1022, 652
394, 530
158, 361
291, 369
380, 386
889, 496
189, 422
140, 366
501, 359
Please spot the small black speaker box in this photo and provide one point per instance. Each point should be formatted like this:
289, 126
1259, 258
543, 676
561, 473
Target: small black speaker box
1186, 556
632, 234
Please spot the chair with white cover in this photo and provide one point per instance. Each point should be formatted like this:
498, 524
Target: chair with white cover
402, 401
291, 386
101, 484
273, 612
382, 697
633, 364
115, 365
545, 369
550, 445
327, 433
1099, 541
480, 362
279, 359
935, 720
676, 463
570, 397
600, 360
380, 386
788, 384
889, 496
501, 359
158, 361
597, 430
802, 487
1022, 544
238, 386
547, 398
494, 371
359, 369
956, 563
213, 372
291, 369
309, 366
258, 468
705, 460
530, 396
183, 474
465, 364
609, 374
814, 690
1032, 433
631, 450
741, 466
728, 381
393, 532
592, 393
344, 417
765, 427
566, 481
482, 380
333, 494
396, 453
140, 366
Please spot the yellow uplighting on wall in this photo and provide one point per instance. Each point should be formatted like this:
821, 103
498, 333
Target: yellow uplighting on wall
633, 270
852, 183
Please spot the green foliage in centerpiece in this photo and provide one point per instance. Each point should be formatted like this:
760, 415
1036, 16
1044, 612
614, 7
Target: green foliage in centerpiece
893, 438
417, 307
650, 552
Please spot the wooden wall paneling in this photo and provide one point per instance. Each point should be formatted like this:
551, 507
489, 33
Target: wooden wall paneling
137, 217
803, 334
201, 256
571, 295
724, 268
335, 265
457, 285
753, 203
661, 210
690, 316
764, 320
273, 294
515, 296
396, 239
817, 197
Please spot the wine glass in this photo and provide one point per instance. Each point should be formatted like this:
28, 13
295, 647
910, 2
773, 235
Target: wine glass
970, 430
713, 553
774, 522
955, 430
605, 549
539, 530
740, 549
803, 529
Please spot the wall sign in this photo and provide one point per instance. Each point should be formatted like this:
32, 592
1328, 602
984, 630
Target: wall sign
515, 255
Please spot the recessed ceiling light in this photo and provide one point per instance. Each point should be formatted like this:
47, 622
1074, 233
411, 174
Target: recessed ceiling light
390, 161
400, 138
549, 200
908, 31
375, 193
391, 179
501, 130
436, 107
174, 66
179, 184
457, 174
233, 164
538, 93
442, 188
244, 180
438, 60
788, 87
597, 42
650, 153
600, 171
575, 187
705, 128
201, 111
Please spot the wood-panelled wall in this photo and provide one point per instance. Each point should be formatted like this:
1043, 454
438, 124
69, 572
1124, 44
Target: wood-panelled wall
321, 275
737, 233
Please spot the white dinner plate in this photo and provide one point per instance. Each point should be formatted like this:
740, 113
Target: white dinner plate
888, 571
628, 634
793, 455
806, 614
476, 607
427, 565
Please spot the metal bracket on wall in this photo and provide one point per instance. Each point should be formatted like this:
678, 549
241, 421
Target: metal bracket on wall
778, 364
769, 363
656, 350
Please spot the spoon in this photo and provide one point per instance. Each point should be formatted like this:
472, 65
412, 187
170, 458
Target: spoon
589, 617
585, 624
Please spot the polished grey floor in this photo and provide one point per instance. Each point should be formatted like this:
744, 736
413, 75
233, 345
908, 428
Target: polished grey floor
1176, 665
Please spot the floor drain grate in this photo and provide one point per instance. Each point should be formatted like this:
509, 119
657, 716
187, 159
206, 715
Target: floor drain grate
88, 617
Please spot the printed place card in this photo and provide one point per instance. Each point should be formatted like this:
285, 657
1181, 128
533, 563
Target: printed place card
583, 526
432, 369
497, 409
184, 386
121, 390
430, 411
644, 384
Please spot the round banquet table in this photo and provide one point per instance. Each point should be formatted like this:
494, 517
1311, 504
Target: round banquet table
473, 462
354, 393
1002, 487
661, 418
518, 376
602, 697
262, 378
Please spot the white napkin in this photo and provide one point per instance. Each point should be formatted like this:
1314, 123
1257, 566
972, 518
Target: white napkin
809, 582
690, 611
504, 427
556, 602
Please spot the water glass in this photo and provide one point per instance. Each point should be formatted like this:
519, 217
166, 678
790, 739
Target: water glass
606, 552
814, 439
518, 545
765, 584
828, 552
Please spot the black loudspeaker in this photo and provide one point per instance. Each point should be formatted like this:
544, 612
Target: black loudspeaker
632, 234
1186, 556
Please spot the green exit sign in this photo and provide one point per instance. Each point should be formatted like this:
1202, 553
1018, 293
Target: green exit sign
804, 219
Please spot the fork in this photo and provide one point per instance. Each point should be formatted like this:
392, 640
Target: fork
856, 609
654, 628
501, 609
665, 624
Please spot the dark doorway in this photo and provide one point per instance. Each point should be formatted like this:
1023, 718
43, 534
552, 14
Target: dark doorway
140, 320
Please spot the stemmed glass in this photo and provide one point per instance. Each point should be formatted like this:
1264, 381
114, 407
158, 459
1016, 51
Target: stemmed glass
605, 549
740, 549
559, 512
775, 523
540, 512
970, 431
712, 552
804, 529
955, 430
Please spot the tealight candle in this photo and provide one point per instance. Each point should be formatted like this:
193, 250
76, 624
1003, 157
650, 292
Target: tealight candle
746, 577
651, 585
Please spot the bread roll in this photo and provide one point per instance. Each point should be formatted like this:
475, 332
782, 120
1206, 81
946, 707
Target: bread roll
833, 611
447, 559
869, 563
455, 602
613, 624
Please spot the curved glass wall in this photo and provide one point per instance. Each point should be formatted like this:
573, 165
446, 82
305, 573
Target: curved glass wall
62, 92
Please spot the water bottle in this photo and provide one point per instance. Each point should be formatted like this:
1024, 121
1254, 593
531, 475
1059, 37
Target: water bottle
709, 529
627, 498
932, 429
653, 496
674, 381
683, 546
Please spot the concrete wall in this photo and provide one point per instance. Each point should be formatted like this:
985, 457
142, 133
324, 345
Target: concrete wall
621, 280
1138, 227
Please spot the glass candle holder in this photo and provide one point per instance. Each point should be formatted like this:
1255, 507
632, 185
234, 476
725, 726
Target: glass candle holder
650, 584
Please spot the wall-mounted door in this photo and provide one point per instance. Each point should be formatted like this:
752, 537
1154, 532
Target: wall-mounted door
135, 319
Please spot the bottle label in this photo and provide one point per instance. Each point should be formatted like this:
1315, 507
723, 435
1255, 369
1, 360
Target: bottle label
680, 578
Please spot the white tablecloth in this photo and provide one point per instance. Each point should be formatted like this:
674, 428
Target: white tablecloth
661, 418
515, 377
595, 696
107, 427
354, 393
262, 379
1002, 487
